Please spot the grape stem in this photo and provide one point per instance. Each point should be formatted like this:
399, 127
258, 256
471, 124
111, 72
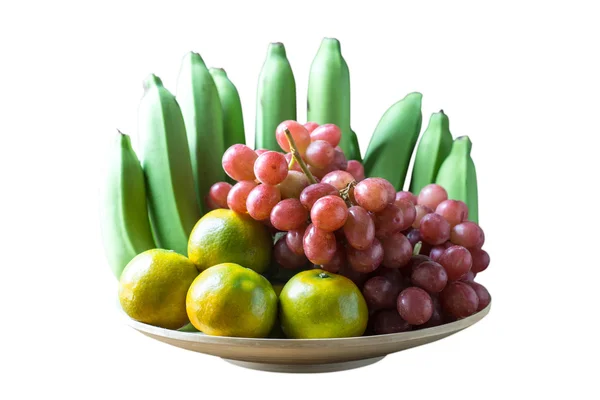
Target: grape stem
296, 156
417, 248
345, 193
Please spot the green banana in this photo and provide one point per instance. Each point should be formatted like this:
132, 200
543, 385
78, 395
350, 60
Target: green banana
354, 151
458, 176
329, 91
434, 147
167, 166
392, 144
198, 98
276, 97
124, 220
231, 106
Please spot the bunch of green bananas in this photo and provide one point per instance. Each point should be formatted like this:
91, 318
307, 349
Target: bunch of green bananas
156, 200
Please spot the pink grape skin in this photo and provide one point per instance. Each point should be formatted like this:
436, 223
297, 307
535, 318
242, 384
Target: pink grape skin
288, 159
454, 211
238, 195
380, 292
338, 179
329, 213
294, 239
299, 134
359, 228
311, 126
436, 252
459, 299
271, 168
371, 194
434, 229
217, 195
432, 195
457, 261
409, 212
388, 221
482, 294
293, 185
261, 201
238, 162
414, 262
468, 277
314, 192
288, 214
481, 260
420, 212
261, 151
397, 251
340, 162
356, 169
408, 196
286, 257
429, 276
328, 132
338, 260
437, 317
389, 321
393, 274
319, 154
415, 305
365, 261
467, 234
358, 278
319, 246
319, 173
414, 236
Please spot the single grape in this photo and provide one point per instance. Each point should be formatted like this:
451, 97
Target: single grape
459, 299
358, 278
406, 195
467, 234
311, 126
420, 212
329, 213
288, 214
457, 261
409, 212
338, 260
319, 173
468, 277
380, 292
356, 169
432, 195
414, 262
368, 260
293, 185
359, 228
238, 162
314, 192
338, 179
434, 229
271, 168
319, 245
295, 165
299, 134
217, 195
372, 194
261, 201
437, 316
454, 211
328, 132
414, 236
260, 151
397, 250
481, 260
429, 276
436, 251
319, 154
415, 305
389, 321
388, 221
340, 162
394, 274
286, 257
238, 195
294, 239
482, 294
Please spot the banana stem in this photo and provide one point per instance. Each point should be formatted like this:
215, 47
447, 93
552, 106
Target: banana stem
296, 156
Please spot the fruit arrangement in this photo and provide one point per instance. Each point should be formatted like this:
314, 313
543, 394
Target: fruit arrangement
298, 237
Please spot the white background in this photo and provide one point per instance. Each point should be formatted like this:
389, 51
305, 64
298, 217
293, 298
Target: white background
521, 79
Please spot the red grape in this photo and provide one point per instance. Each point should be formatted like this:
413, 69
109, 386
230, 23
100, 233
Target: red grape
432, 195
314, 192
459, 299
457, 261
319, 154
329, 132
436, 251
454, 211
217, 195
397, 250
238, 162
482, 294
238, 195
286, 257
294, 239
356, 169
261, 201
293, 185
405, 195
319, 245
359, 228
368, 260
415, 261
389, 321
340, 162
430, 276
299, 134
393, 274
311, 126
271, 168
261, 151
338, 179
481, 260
358, 278
372, 194
420, 212
329, 213
380, 292
338, 260
467, 234
414, 236
437, 316
388, 221
468, 277
415, 305
288, 214
434, 229
295, 166
409, 212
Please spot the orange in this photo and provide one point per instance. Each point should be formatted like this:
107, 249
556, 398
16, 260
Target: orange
318, 304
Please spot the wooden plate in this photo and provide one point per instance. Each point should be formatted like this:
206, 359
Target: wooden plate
304, 355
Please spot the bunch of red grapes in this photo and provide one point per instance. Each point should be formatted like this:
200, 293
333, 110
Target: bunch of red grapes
413, 256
